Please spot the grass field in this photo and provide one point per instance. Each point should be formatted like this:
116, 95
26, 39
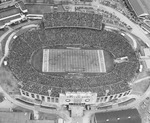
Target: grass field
63, 60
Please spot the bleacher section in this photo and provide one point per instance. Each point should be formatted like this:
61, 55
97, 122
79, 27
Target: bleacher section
72, 19
70, 30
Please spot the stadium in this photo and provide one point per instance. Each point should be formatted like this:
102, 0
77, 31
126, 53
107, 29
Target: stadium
75, 64
65, 56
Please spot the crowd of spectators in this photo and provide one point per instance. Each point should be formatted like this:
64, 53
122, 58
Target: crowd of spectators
123, 6
73, 19
112, 19
108, 17
34, 81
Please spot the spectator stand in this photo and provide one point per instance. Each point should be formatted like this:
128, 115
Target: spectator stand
88, 34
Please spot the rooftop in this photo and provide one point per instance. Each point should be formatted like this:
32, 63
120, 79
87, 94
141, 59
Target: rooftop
138, 7
122, 116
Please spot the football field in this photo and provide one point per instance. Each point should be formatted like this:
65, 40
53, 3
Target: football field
73, 60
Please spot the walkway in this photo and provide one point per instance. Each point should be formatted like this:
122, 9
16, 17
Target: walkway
7, 43
1, 39
14, 33
134, 41
125, 33
10, 37
142, 79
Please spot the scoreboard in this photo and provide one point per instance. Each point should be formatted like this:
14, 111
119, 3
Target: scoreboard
78, 98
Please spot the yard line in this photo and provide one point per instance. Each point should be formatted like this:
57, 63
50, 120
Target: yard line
59, 63
103, 61
62, 61
44, 60
86, 62
51, 60
99, 59
72, 57
47, 60
66, 62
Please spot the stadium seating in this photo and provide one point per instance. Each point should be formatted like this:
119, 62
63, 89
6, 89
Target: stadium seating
72, 19
72, 32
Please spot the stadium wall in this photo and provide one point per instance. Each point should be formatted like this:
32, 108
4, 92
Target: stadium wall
55, 100
43, 98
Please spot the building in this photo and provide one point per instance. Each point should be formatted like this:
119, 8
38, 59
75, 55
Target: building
145, 27
122, 116
138, 8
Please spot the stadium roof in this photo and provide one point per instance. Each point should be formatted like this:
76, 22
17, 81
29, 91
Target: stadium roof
122, 116
138, 7
146, 27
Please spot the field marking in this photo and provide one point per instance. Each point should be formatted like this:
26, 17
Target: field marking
43, 62
103, 59
43, 65
47, 60
99, 60
78, 63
